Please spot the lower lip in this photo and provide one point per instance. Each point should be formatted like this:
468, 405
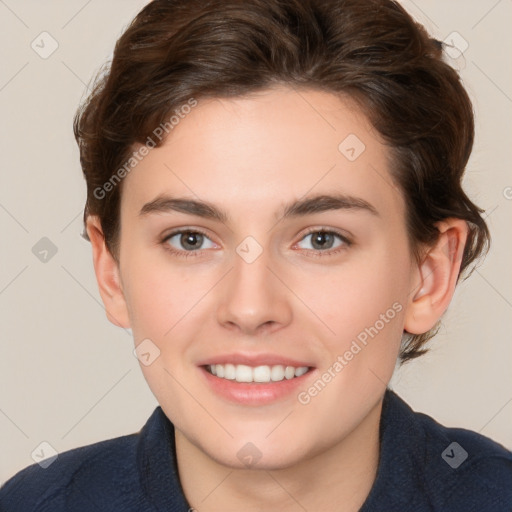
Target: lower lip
254, 393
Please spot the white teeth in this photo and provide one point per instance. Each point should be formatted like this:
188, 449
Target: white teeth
243, 373
230, 372
277, 373
289, 372
263, 373
300, 371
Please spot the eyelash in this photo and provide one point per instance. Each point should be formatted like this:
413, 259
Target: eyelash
316, 253
332, 252
182, 254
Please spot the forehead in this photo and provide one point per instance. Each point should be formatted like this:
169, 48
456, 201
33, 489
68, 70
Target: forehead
258, 151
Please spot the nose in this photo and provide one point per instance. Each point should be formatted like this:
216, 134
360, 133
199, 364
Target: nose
253, 299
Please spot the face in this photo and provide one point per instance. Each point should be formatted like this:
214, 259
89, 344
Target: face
266, 233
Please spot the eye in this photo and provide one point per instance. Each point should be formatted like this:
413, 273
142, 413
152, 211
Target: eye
323, 240
187, 240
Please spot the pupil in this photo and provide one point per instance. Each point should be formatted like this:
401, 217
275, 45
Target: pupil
190, 240
320, 240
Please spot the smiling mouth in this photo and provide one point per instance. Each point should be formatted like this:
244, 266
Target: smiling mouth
258, 374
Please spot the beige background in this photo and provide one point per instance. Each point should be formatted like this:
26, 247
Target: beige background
68, 377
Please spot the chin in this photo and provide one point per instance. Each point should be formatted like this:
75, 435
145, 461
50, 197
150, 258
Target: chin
263, 461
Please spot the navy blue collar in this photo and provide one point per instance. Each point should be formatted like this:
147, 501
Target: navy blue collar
400, 439
412, 474
156, 459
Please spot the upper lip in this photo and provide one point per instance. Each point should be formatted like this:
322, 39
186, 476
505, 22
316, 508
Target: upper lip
254, 360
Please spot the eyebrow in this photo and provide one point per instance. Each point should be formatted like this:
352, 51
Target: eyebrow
301, 207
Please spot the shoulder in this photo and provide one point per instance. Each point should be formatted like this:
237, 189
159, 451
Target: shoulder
83, 477
425, 466
464, 470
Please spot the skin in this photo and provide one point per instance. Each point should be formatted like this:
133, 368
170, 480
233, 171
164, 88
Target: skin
251, 156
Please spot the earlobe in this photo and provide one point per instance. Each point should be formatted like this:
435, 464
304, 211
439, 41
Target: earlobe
437, 276
107, 273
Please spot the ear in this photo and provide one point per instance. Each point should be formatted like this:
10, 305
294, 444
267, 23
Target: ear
437, 276
107, 275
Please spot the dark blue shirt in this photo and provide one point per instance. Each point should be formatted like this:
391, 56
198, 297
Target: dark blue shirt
423, 467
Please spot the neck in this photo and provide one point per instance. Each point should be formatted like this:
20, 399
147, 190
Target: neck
338, 478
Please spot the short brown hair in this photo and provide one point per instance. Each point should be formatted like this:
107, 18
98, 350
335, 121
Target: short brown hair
370, 50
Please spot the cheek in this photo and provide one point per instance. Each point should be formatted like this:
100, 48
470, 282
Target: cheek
163, 304
160, 294
364, 305
152, 304
352, 297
